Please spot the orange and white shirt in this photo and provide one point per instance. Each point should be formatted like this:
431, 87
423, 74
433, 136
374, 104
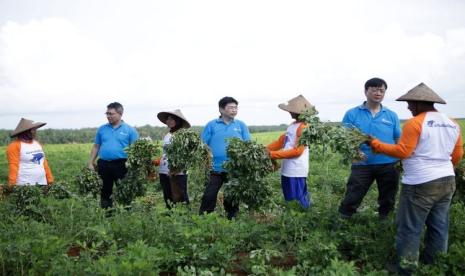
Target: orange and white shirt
430, 145
295, 163
27, 164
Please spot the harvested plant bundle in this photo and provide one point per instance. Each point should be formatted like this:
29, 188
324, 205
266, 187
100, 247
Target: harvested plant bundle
186, 151
139, 165
320, 136
248, 165
88, 182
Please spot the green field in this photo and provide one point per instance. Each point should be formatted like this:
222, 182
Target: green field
75, 237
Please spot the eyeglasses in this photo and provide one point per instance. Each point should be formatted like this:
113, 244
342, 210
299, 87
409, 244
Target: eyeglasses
376, 89
231, 107
110, 113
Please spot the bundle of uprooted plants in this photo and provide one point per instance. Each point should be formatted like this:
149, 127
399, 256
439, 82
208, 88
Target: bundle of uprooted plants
460, 181
322, 136
139, 165
187, 152
88, 182
248, 165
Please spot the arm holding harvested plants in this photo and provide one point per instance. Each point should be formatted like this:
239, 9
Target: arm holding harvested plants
278, 151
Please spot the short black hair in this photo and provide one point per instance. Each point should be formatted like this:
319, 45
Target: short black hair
116, 106
375, 82
226, 100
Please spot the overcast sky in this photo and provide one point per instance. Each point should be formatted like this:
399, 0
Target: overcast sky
63, 61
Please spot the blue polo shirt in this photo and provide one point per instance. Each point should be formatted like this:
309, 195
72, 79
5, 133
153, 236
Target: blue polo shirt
215, 134
113, 141
384, 126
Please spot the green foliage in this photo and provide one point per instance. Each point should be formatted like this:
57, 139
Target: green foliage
58, 190
140, 156
460, 181
139, 165
321, 136
187, 151
88, 182
248, 166
74, 236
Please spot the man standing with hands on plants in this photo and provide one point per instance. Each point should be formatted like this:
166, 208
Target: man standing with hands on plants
430, 146
110, 141
215, 135
374, 119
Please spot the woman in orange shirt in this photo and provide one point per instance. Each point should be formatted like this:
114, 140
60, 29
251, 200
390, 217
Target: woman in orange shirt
26, 159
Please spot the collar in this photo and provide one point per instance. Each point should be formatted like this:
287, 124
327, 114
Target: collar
219, 120
363, 106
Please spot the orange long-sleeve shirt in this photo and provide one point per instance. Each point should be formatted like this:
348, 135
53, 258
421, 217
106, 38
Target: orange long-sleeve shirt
16, 163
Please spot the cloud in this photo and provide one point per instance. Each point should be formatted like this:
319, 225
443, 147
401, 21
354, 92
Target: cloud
183, 54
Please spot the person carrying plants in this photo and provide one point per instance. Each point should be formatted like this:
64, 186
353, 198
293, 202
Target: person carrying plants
374, 119
294, 169
110, 141
430, 146
174, 184
215, 135
27, 164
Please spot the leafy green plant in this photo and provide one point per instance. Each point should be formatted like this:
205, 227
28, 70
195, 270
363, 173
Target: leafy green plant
321, 136
58, 190
88, 182
139, 165
187, 151
248, 166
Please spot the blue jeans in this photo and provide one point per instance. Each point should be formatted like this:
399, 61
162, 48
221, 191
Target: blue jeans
419, 205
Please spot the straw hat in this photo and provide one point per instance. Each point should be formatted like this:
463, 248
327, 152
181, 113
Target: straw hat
296, 105
162, 116
25, 124
421, 93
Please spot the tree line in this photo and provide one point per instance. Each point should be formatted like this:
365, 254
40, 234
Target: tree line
87, 135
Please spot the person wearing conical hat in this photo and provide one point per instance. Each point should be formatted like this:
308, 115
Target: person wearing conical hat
294, 168
216, 134
372, 118
174, 187
110, 141
430, 146
27, 164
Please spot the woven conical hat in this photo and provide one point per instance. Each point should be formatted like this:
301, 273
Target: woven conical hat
296, 105
421, 93
162, 116
25, 124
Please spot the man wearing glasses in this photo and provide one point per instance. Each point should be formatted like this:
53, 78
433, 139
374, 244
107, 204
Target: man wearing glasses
374, 119
109, 144
215, 135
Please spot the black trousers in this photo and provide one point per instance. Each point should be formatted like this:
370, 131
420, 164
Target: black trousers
211, 192
110, 172
360, 180
180, 182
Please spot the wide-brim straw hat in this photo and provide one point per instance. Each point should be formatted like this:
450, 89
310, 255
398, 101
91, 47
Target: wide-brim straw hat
421, 93
24, 125
296, 105
163, 116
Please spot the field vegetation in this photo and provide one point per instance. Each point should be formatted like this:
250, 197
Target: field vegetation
71, 235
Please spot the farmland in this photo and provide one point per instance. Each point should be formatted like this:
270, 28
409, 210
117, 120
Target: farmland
74, 236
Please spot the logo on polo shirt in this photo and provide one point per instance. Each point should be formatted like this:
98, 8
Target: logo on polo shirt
431, 123
124, 133
386, 121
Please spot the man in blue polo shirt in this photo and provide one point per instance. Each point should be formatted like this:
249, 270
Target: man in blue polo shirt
378, 121
110, 141
215, 135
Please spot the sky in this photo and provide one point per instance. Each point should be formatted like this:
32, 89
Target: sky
63, 61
